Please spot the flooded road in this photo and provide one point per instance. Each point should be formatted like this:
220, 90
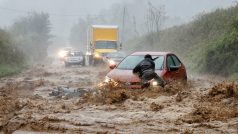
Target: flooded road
55, 99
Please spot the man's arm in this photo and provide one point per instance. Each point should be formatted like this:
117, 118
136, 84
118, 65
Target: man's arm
155, 58
136, 69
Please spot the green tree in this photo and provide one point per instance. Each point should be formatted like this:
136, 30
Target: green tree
11, 59
32, 34
9, 54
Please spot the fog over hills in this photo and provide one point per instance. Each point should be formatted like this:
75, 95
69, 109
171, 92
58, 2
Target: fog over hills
65, 13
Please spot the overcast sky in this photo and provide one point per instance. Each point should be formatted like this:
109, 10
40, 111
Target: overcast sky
64, 13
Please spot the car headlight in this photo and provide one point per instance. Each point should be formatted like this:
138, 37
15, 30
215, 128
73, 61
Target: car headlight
110, 82
62, 54
154, 83
88, 53
107, 79
112, 62
97, 55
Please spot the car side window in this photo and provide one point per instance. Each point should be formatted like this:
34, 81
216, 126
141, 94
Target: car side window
159, 62
176, 60
170, 61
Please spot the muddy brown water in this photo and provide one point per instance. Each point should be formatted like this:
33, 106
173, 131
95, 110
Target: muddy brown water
27, 108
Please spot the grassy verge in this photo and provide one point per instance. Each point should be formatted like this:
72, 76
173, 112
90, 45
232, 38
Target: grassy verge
6, 70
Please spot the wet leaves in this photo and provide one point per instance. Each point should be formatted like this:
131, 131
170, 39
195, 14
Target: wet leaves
224, 90
156, 107
215, 105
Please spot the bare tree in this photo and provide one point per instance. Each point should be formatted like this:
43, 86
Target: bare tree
154, 19
135, 27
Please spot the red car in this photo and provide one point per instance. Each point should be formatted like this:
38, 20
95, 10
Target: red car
167, 66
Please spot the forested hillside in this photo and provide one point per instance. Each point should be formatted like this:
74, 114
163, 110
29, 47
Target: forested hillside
11, 59
24, 43
208, 44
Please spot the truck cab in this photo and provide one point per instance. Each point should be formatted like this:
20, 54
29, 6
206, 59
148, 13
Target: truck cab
104, 39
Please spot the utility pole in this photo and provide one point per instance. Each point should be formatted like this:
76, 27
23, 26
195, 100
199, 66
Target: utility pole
135, 28
88, 52
123, 24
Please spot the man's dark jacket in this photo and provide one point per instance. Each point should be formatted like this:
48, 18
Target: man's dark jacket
147, 64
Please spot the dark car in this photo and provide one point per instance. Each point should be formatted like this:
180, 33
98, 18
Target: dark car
114, 58
167, 65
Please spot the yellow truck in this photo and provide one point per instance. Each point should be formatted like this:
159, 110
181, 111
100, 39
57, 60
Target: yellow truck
103, 39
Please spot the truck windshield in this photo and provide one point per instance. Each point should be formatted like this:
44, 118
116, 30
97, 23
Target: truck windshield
106, 45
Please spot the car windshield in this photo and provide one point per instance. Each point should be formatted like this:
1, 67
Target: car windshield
116, 55
131, 61
106, 45
78, 53
75, 54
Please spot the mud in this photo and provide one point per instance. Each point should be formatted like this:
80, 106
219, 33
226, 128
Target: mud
54, 99
219, 103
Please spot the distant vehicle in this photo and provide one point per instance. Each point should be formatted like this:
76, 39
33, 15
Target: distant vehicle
64, 52
167, 65
114, 58
103, 39
74, 58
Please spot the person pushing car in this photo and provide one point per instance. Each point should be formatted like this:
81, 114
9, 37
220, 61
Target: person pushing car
146, 71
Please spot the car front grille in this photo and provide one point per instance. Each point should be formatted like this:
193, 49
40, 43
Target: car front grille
135, 83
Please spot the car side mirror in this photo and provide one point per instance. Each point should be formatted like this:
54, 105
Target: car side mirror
112, 66
174, 68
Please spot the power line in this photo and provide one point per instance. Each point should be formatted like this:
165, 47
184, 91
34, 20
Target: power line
51, 14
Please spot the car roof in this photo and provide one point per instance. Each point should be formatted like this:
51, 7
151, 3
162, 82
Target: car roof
151, 53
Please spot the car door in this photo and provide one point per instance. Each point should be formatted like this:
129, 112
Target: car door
180, 73
169, 75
